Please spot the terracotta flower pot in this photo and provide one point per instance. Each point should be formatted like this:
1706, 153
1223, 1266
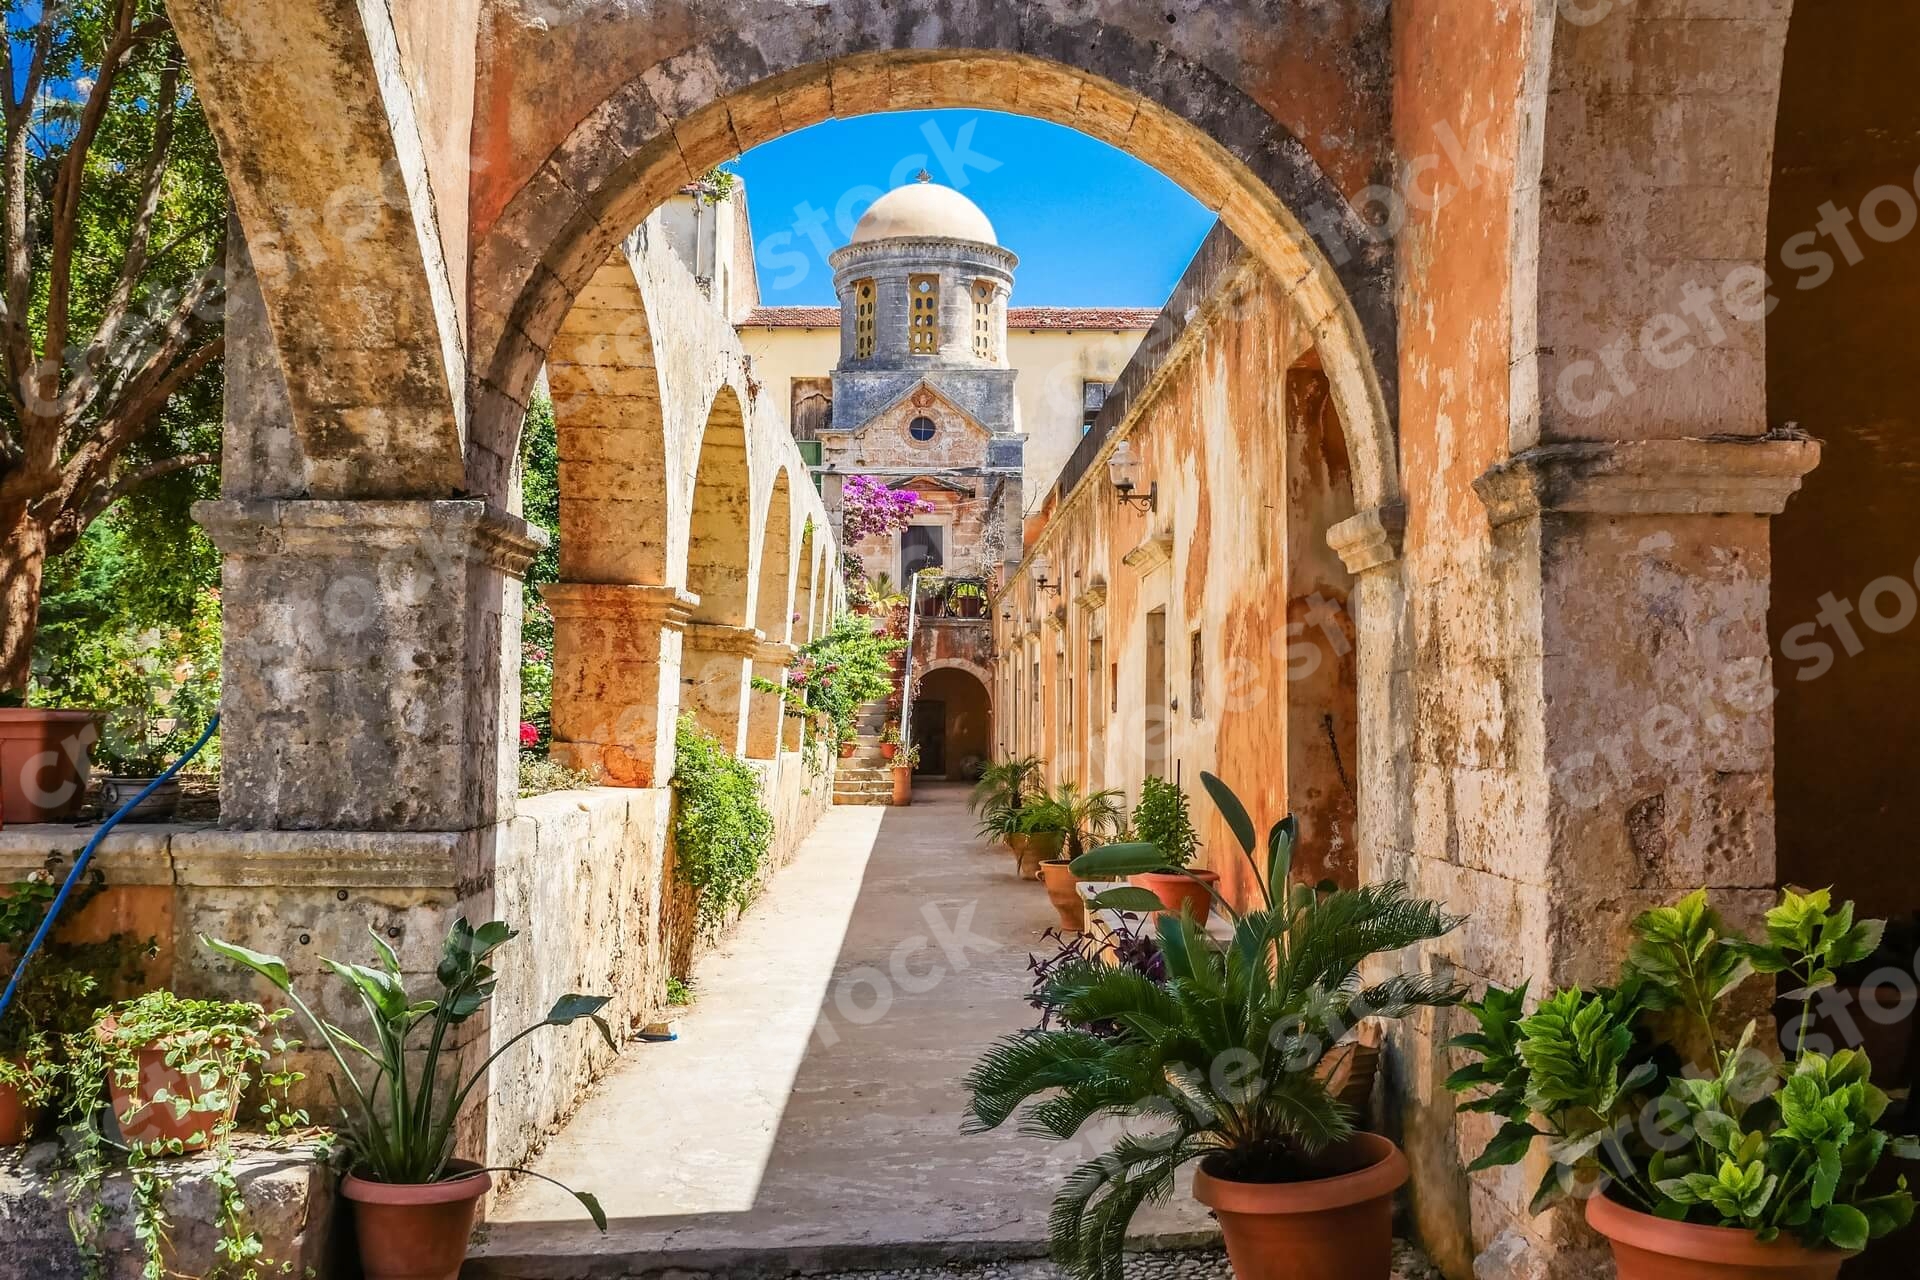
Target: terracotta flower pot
1332, 1228
888, 750
1029, 851
847, 749
16, 1118
147, 1122
903, 784
415, 1232
43, 762
1063, 891
1650, 1248
1176, 890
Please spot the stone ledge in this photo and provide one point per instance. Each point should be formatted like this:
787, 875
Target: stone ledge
1724, 475
461, 528
289, 1194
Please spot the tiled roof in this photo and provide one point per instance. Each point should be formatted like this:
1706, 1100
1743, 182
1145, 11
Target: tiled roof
1017, 318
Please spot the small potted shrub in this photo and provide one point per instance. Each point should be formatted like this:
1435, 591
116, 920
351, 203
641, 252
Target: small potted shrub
904, 764
414, 1203
1698, 1155
890, 740
846, 744
1163, 820
1001, 790
1300, 1193
174, 1069
967, 599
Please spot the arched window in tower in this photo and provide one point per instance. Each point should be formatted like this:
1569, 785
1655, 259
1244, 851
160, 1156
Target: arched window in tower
924, 325
862, 319
983, 345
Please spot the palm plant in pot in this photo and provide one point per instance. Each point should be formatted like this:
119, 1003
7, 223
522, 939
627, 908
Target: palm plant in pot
1222, 1062
1164, 820
414, 1203
1697, 1154
1005, 786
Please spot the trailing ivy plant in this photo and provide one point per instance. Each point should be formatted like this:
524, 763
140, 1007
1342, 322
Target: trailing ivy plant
1163, 819
1641, 1095
225, 1048
721, 830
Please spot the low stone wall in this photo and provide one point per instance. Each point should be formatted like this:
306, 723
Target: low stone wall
582, 875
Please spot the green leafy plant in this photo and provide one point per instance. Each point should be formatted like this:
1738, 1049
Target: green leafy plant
890, 736
224, 1049
679, 992
1084, 817
397, 1121
1223, 1057
1162, 819
834, 675
907, 757
1638, 1092
721, 830
1007, 784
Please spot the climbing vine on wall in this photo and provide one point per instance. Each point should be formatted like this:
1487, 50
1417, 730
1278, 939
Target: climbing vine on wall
721, 830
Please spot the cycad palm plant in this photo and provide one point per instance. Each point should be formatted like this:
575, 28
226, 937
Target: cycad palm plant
1006, 784
1219, 1060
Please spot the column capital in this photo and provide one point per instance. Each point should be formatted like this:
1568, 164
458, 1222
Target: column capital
718, 637
1371, 538
1720, 475
461, 529
636, 603
775, 653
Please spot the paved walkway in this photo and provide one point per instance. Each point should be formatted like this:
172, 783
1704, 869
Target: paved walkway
808, 1118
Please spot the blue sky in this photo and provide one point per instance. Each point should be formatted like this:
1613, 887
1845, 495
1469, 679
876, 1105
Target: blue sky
1092, 225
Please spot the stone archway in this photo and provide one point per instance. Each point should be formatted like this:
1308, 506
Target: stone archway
952, 717
662, 122
773, 618
720, 640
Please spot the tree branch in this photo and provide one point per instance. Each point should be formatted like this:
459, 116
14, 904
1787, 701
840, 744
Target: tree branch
90, 511
67, 189
115, 312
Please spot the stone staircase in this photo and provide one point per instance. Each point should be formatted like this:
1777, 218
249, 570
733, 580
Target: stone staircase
865, 778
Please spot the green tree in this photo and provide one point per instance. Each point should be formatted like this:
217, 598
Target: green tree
113, 231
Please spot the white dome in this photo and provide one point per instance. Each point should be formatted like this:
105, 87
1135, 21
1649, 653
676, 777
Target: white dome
920, 210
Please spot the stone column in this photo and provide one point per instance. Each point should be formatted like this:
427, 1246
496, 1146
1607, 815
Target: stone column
713, 676
766, 711
1633, 581
616, 677
368, 681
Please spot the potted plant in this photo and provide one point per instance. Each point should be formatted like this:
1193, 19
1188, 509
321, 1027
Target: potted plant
1699, 1155
890, 740
1164, 820
967, 599
1032, 832
44, 762
1299, 1192
847, 743
1003, 788
174, 1069
414, 1203
903, 766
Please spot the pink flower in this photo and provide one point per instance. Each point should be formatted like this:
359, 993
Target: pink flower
529, 734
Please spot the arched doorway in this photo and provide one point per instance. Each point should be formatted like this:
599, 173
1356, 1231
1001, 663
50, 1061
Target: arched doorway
952, 722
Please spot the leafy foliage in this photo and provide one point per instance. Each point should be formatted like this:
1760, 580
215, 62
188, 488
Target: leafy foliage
1007, 784
1713, 1135
1162, 819
397, 1121
222, 1049
1084, 818
721, 830
835, 674
540, 506
1222, 1058
115, 233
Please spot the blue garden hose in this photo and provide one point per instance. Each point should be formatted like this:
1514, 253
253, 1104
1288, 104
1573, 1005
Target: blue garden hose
86, 854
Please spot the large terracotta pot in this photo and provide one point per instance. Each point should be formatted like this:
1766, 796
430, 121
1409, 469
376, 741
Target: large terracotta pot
1178, 889
1063, 891
1029, 851
903, 784
147, 1122
415, 1232
1650, 1248
888, 750
16, 1118
43, 762
1333, 1228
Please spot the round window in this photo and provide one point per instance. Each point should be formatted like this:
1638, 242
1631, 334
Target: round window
921, 428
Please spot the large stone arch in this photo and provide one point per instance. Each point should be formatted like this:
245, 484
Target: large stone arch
775, 68
773, 581
720, 516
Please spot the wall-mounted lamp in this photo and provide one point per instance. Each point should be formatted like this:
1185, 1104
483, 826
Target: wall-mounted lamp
1042, 571
1123, 469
